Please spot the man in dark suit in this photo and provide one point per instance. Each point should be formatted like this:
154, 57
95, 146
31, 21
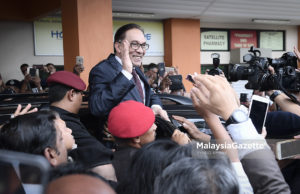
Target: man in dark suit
119, 78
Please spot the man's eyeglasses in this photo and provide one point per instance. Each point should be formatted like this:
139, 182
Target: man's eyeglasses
136, 45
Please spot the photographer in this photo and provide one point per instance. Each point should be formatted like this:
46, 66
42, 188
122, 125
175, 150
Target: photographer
30, 83
171, 83
164, 84
152, 75
282, 100
176, 87
259, 76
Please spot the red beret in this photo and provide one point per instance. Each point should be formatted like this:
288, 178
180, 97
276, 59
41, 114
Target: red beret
130, 119
66, 78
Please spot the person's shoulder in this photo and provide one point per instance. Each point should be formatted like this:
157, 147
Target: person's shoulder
104, 64
71, 119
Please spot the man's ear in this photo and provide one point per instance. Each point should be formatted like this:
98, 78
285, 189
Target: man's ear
117, 47
70, 94
51, 156
136, 140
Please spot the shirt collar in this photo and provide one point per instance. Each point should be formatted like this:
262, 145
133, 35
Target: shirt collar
119, 60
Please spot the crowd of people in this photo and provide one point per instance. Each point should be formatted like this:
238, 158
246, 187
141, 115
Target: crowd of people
35, 79
149, 153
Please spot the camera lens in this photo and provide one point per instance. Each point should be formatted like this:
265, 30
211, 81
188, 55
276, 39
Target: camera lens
238, 72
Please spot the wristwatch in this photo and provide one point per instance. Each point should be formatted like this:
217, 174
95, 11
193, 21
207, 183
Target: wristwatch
274, 95
238, 116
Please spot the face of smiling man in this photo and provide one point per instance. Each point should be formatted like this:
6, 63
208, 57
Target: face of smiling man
136, 36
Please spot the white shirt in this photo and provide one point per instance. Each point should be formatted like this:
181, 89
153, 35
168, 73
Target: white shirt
245, 134
129, 77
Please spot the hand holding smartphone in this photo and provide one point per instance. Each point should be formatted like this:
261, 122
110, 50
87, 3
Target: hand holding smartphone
79, 61
161, 69
32, 72
258, 111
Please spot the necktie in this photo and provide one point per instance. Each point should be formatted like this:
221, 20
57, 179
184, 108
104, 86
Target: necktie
138, 83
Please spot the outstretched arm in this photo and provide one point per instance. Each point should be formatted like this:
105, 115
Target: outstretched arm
214, 124
285, 103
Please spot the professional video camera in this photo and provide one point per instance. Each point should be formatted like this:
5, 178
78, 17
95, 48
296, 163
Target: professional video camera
259, 77
216, 62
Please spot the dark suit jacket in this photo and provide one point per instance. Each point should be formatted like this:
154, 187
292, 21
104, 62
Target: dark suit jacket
109, 87
281, 125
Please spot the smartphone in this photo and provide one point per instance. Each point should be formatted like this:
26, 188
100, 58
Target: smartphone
32, 72
243, 97
258, 111
161, 69
79, 61
168, 69
190, 78
287, 149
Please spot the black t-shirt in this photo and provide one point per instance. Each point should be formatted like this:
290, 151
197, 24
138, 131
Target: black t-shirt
89, 150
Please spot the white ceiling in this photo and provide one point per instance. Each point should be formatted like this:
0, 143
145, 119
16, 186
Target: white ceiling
217, 11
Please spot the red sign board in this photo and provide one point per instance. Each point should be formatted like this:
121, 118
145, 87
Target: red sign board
243, 39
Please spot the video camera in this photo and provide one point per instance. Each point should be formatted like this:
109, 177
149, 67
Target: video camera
258, 76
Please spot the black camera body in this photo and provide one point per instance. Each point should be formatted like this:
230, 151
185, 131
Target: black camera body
216, 62
258, 76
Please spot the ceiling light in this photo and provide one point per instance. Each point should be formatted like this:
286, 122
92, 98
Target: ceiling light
132, 15
269, 21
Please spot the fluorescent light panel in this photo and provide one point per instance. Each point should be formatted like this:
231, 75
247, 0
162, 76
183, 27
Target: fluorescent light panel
132, 15
269, 21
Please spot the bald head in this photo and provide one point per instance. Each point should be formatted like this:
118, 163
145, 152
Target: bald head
78, 184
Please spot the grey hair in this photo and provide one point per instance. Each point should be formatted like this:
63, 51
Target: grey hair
195, 175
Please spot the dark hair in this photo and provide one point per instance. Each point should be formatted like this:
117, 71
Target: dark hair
121, 32
30, 133
152, 65
194, 175
147, 163
57, 92
176, 82
48, 64
24, 65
